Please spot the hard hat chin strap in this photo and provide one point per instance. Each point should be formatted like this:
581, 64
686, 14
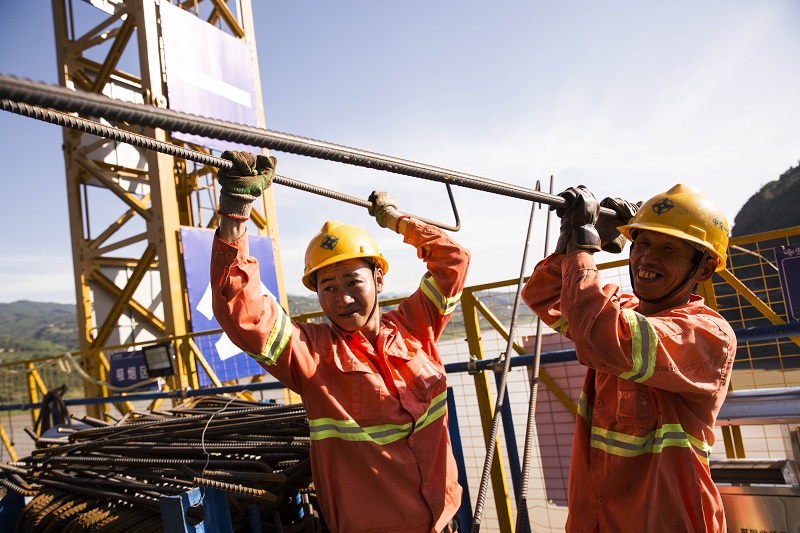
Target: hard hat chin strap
375, 302
375, 285
679, 289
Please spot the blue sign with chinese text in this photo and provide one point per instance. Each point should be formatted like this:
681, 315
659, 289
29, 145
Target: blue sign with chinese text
127, 369
788, 258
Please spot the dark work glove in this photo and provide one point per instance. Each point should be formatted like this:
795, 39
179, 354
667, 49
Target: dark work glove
244, 183
578, 218
611, 239
565, 234
384, 209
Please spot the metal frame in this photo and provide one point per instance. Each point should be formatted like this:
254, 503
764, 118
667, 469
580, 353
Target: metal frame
162, 193
472, 306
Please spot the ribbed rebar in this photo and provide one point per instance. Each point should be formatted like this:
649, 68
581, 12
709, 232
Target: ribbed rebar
133, 465
249, 493
142, 141
95, 105
501, 387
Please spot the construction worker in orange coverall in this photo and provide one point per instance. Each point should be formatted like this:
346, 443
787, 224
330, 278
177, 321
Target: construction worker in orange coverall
373, 384
658, 361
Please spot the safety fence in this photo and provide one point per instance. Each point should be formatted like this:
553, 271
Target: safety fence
749, 294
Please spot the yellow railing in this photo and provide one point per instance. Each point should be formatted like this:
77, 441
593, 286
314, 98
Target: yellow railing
746, 293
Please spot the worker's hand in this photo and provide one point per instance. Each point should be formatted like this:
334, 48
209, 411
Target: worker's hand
384, 209
578, 218
565, 236
610, 238
244, 183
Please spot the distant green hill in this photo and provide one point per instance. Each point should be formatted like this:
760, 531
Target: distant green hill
774, 206
36, 329
300, 305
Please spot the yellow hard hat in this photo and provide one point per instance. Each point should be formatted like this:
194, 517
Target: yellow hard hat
686, 213
337, 242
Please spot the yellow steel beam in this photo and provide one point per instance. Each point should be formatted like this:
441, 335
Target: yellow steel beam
7, 444
113, 56
222, 9
486, 409
98, 35
113, 228
734, 444
204, 363
754, 300
112, 318
557, 391
107, 179
34, 384
145, 313
766, 236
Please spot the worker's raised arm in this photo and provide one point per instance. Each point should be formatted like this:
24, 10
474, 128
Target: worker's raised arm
240, 187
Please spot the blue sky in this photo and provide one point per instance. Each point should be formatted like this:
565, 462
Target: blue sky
627, 98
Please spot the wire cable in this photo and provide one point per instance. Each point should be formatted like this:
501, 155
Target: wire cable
142, 141
90, 104
501, 388
522, 498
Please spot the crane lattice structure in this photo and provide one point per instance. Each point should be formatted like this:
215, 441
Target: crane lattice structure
126, 205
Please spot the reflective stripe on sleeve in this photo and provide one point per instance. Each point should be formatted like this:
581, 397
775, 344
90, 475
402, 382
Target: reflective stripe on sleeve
584, 409
278, 339
560, 325
431, 289
669, 435
644, 343
329, 428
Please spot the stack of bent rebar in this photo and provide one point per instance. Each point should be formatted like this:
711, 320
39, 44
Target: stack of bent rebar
114, 476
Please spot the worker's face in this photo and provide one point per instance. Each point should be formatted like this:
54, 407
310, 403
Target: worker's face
660, 263
347, 292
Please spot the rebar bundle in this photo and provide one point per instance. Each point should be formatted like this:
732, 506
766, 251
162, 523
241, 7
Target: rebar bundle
113, 477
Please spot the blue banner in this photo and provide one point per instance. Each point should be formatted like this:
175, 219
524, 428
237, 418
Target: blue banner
227, 360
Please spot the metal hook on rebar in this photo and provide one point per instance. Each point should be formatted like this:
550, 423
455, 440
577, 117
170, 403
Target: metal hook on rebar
148, 143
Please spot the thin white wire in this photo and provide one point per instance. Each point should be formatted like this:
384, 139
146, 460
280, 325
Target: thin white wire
203, 438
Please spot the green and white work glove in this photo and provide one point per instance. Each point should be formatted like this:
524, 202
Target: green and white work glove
611, 239
241, 185
384, 209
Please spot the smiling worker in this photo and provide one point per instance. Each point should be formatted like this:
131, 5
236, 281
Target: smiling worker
373, 384
658, 361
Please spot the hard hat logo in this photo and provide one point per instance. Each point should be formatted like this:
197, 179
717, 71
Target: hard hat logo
663, 206
329, 242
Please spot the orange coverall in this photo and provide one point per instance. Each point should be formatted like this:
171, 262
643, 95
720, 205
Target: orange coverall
380, 451
653, 388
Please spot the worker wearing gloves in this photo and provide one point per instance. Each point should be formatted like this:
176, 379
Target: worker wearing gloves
373, 383
658, 361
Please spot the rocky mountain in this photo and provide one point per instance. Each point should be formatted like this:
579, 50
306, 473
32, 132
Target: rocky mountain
774, 206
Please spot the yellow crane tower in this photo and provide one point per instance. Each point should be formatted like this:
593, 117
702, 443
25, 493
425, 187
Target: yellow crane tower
127, 205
